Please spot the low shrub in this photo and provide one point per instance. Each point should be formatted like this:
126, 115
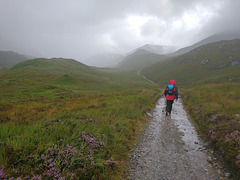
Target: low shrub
214, 110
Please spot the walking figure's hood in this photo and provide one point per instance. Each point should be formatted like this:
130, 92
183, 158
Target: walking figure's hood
172, 82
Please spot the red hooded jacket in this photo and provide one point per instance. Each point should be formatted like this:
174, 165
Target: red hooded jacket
175, 95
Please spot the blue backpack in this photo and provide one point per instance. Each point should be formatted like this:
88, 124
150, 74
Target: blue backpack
170, 89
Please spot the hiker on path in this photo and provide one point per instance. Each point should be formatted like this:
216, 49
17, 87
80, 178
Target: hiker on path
171, 93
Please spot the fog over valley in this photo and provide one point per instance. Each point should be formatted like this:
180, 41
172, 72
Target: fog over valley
101, 33
120, 89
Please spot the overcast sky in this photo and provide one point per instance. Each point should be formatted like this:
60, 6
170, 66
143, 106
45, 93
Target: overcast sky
79, 29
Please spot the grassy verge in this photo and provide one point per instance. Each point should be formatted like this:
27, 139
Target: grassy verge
88, 136
215, 110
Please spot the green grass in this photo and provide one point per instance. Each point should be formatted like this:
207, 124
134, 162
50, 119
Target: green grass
53, 103
29, 129
211, 93
214, 109
62, 78
9, 59
192, 69
66, 106
139, 60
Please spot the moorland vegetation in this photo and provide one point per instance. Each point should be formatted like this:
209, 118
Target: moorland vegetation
61, 119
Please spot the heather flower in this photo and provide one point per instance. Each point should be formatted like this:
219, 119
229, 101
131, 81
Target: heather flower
111, 162
52, 165
214, 117
2, 174
50, 160
91, 141
238, 158
61, 160
101, 143
15, 171
36, 177
233, 136
43, 157
212, 135
197, 108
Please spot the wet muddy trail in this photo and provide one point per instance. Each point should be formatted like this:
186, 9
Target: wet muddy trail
170, 149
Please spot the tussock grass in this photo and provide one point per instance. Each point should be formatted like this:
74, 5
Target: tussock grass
28, 129
62, 119
215, 109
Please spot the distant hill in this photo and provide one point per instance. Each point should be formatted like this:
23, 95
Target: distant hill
139, 59
52, 69
214, 38
66, 77
214, 62
113, 60
10, 58
56, 72
156, 49
104, 60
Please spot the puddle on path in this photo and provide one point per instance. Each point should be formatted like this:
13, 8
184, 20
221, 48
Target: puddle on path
170, 149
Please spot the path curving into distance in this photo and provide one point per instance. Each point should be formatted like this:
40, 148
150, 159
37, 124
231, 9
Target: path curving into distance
170, 149
144, 77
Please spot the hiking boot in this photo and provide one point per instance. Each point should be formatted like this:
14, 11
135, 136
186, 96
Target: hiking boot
166, 113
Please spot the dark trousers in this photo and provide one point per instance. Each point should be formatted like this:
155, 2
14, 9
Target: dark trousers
169, 105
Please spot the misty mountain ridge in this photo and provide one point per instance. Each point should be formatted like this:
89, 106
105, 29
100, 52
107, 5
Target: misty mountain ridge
210, 39
10, 58
161, 50
213, 62
139, 59
156, 49
113, 60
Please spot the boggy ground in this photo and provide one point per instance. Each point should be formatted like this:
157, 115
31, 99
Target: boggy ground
170, 149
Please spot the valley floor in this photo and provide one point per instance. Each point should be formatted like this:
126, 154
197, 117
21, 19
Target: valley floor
171, 149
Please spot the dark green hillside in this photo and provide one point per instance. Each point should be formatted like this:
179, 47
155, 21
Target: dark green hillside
52, 64
51, 68
211, 39
215, 62
44, 77
9, 59
138, 60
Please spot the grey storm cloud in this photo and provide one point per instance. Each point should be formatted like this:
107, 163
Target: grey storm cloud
82, 28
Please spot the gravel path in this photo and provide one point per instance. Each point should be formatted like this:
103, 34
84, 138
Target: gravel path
144, 77
170, 149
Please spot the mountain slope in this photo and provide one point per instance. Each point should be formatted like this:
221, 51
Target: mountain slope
64, 78
214, 38
9, 59
55, 72
214, 62
156, 49
138, 60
